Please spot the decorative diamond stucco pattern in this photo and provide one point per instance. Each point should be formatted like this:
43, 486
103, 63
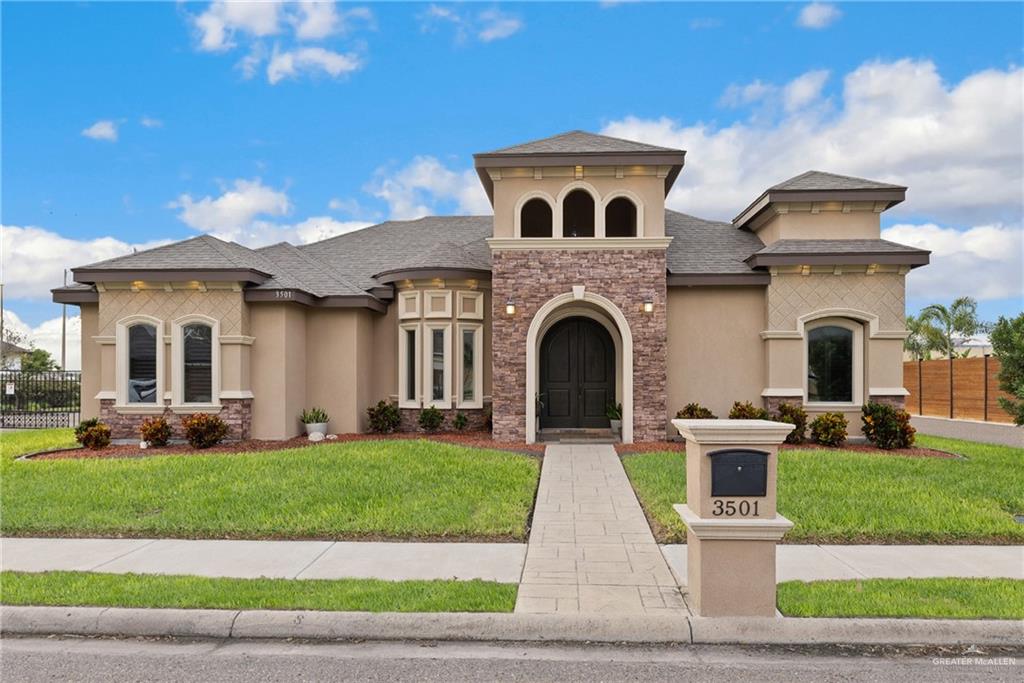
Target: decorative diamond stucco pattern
223, 305
792, 295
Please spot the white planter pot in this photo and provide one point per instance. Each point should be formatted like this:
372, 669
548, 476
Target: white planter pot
616, 426
316, 427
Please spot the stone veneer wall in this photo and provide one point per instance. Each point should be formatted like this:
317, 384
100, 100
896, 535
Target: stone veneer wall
236, 412
533, 277
772, 403
894, 401
477, 419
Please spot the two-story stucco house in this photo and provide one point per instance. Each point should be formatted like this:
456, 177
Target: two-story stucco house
581, 290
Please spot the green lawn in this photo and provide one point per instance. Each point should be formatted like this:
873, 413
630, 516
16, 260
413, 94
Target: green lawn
357, 595
920, 598
849, 497
367, 489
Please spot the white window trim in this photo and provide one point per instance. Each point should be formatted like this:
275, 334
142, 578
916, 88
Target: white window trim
461, 296
557, 228
178, 361
446, 294
402, 298
403, 375
858, 362
478, 365
637, 204
445, 403
121, 364
521, 202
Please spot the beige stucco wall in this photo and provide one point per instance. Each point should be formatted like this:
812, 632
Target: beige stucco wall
279, 369
825, 225
791, 295
225, 305
650, 190
715, 353
91, 359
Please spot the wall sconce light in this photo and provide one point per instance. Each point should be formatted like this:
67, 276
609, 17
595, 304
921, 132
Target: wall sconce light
510, 307
805, 270
648, 307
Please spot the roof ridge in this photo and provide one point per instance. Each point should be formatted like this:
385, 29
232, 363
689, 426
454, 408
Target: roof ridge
221, 246
321, 266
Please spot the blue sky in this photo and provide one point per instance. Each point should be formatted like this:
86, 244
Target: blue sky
131, 123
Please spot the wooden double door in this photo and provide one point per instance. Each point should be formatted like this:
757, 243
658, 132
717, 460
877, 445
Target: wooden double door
577, 375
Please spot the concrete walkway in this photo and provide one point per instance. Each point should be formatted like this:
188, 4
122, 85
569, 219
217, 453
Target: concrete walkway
591, 549
501, 562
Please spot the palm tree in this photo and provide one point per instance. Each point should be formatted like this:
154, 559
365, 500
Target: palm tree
958, 321
923, 339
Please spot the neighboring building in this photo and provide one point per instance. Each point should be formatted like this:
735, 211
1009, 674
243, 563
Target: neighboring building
10, 356
582, 290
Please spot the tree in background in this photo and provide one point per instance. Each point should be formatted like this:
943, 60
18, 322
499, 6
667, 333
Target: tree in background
38, 360
1008, 345
924, 337
957, 322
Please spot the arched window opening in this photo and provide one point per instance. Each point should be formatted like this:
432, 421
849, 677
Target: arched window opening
142, 354
197, 363
620, 218
535, 219
830, 364
578, 214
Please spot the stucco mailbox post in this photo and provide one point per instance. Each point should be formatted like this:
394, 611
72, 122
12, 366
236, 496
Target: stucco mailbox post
732, 525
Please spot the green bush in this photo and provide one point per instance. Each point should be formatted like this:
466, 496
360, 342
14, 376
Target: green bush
460, 421
886, 427
95, 437
384, 417
695, 411
203, 431
155, 431
829, 429
747, 411
84, 426
431, 419
1008, 345
314, 416
795, 415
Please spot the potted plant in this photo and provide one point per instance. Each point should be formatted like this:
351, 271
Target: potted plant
614, 413
315, 420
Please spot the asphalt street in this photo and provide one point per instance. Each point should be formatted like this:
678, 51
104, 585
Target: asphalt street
84, 659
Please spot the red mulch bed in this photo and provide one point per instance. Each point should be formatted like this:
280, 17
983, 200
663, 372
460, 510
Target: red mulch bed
913, 452
469, 439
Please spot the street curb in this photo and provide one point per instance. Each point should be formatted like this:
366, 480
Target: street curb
274, 624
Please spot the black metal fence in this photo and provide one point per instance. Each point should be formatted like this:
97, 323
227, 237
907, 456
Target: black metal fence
38, 400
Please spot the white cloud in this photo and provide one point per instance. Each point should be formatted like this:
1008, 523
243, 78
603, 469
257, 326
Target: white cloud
985, 261
486, 26
234, 209
317, 19
319, 228
47, 336
741, 95
150, 122
220, 22
104, 129
957, 146
33, 259
818, 15
289, 64
414, 190
804, 89
495, 25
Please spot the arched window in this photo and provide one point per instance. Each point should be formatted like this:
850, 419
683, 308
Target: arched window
578, 214
620, 218
535, 219
832, 364
142, 354
197, 363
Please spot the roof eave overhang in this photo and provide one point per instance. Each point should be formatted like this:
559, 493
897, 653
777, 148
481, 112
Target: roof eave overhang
891, 197
90, 276
399, 274
674, 160
75, 296
752, 279
297, 296
912, 259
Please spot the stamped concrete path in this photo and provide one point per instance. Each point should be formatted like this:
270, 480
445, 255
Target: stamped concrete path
590, 547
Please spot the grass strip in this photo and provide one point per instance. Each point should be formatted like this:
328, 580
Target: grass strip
197, 592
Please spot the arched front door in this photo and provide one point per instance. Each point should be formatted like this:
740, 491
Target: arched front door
577, 375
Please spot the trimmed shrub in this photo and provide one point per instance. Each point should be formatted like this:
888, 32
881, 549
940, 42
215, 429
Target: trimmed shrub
460, 421
747, 411
886, 427
695, 411
84, 426
203, 431
96, 436
155, 431
796, 416
829, 429
431, 419
384, 417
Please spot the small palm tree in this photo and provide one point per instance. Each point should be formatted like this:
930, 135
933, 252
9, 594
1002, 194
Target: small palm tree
923, 339
958, 321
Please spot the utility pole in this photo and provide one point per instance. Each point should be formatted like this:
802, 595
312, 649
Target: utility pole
64, 329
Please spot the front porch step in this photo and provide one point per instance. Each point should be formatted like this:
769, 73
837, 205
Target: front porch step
580, 436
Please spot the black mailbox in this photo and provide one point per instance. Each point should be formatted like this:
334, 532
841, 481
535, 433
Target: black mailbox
738, 472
